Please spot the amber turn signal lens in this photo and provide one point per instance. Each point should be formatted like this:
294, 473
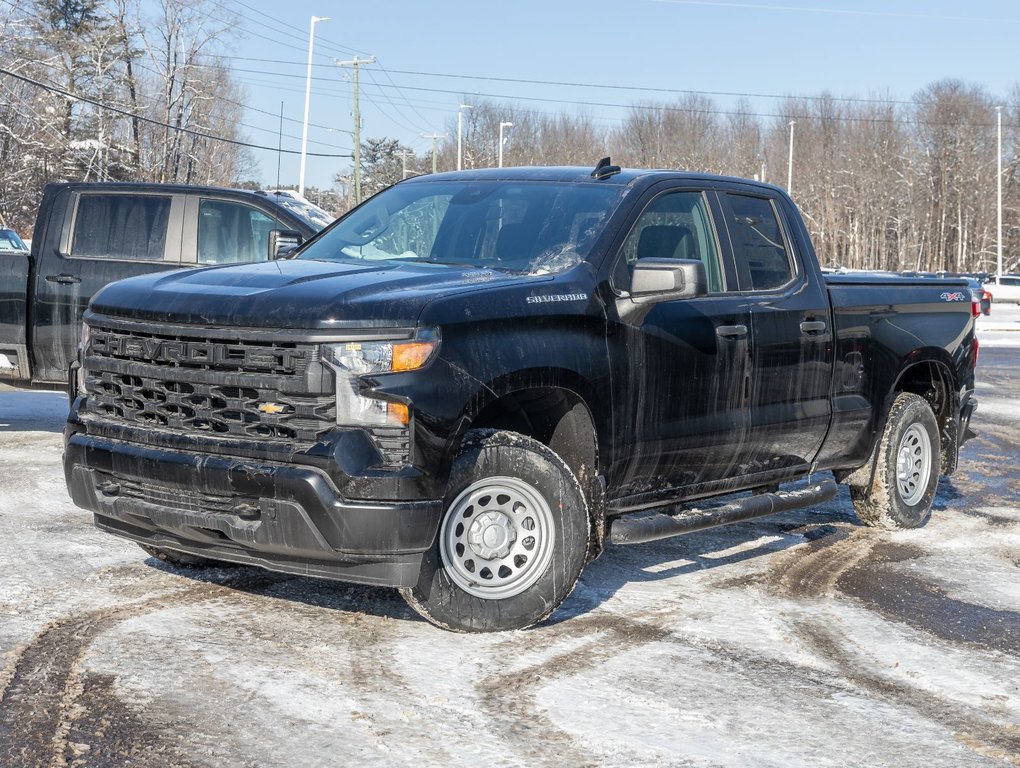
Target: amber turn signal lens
411, 355
397, 413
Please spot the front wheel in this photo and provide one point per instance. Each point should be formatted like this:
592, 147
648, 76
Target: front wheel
907, 467
512, 541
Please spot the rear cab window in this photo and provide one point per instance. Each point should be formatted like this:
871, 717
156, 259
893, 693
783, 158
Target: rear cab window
130, 227
761, 251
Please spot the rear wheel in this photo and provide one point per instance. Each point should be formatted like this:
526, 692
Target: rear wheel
907, 465
512, 541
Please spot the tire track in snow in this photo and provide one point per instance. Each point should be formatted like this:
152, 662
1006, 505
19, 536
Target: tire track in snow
851, 563
981, 734
509, 698
44, 690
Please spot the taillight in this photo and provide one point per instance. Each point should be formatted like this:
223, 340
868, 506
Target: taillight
976, 349
975, 308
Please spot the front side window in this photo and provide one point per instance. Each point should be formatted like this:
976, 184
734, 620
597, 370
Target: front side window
676, 225
758, 244
229, 233
527, 227
121, 227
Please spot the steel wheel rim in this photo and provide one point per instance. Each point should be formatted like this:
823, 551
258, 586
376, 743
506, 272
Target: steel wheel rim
497, 537
913, 464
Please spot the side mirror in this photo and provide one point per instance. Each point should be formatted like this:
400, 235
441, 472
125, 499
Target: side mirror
282, 242
668, 278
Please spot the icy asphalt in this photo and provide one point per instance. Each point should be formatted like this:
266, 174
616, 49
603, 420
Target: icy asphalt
798, 640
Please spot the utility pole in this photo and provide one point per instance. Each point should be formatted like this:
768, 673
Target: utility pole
403, 163
435, 137
353, 63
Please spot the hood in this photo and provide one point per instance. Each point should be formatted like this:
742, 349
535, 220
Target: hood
298, 294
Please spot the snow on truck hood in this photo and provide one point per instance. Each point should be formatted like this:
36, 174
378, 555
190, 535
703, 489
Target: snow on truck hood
302, 294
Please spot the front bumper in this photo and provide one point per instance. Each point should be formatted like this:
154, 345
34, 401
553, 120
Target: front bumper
282, 517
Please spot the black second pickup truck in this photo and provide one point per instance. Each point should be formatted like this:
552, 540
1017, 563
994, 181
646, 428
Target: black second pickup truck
89, 234
470, 384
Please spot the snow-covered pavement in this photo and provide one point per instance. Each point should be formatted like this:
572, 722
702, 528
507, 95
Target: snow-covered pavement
798, 640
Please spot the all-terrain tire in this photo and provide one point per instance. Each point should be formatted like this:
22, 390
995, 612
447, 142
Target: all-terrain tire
181, 559
907, 463
513, 538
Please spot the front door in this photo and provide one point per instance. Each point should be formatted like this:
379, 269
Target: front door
681, 368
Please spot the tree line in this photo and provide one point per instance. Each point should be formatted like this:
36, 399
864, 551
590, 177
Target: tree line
882, 184
120, 90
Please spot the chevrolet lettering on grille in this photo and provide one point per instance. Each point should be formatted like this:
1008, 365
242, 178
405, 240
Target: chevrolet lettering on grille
173, 351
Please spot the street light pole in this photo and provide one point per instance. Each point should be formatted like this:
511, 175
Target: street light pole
789, 166
998, 237
501, 127
460, 134
308, 99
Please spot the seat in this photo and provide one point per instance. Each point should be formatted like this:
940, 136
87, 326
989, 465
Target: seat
663, 241
514, 245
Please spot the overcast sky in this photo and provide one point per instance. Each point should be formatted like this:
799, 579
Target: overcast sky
801, 47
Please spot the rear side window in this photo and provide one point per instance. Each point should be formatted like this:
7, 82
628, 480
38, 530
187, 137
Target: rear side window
758, 244
121, 227
229, 233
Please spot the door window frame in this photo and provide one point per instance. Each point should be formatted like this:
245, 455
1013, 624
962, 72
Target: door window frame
743, 273
712, 209
174, 227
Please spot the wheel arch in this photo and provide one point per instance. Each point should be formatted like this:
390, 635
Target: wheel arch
930, 374
556, 408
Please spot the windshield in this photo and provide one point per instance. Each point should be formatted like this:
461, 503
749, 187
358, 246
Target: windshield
9, 241
530, 227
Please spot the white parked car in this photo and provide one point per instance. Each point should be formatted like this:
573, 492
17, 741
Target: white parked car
1006, 290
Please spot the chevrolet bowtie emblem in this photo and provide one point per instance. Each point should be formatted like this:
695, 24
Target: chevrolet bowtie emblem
273, 408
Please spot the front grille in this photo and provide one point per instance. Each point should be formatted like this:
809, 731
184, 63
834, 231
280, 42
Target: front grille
251, 390
182, 352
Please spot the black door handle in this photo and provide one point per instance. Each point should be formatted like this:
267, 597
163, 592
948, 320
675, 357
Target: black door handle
64, 279
812, 326
731, 331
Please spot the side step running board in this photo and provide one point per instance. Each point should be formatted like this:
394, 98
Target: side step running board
638, 530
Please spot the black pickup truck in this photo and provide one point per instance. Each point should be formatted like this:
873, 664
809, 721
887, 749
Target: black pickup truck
90, 234
470, 384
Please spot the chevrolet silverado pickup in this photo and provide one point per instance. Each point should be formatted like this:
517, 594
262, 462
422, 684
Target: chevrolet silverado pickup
89, 234
469, 385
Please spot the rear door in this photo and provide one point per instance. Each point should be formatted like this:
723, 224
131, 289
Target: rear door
104, 236
790, 317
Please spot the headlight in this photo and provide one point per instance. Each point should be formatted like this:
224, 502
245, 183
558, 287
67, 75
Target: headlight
83, 345
352, 359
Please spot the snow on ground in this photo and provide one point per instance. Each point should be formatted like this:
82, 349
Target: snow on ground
798, 640
1001, 327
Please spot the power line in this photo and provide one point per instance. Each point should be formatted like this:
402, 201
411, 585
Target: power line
150, 70
151, 121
